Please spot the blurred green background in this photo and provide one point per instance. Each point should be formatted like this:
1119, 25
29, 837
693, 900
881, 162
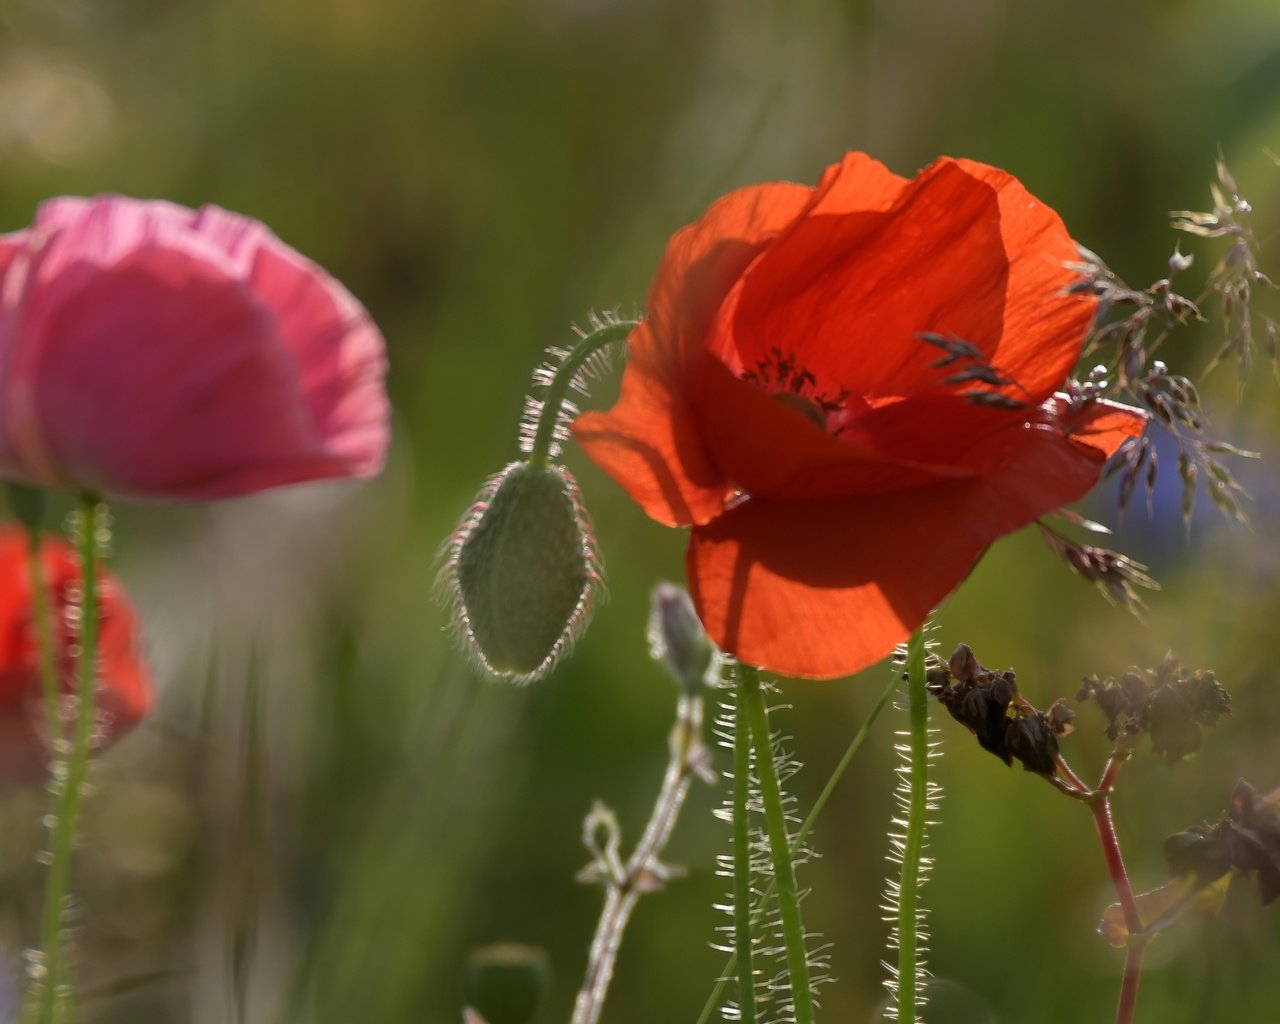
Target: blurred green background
482, 173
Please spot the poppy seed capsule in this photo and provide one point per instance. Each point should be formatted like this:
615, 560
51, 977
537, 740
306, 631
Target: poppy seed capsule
523, 571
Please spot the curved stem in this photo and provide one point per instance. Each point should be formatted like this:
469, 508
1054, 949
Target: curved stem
600, 338
751, 703
743, 912
70, 783
913, 843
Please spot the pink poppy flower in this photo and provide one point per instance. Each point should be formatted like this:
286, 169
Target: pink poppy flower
153, 352
124, 684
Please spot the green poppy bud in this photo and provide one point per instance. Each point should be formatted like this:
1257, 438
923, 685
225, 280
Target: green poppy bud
677, 639
523, 571
505, 983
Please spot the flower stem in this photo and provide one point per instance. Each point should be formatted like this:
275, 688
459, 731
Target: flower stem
44, 641
558, 389
1099, 801
643, 871
1101, 806
743, 912
69, 777
1127, 1009
751, 703
802, 833
913, 841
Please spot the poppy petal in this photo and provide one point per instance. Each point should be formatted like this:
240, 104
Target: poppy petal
964, 251
118, 404
770, 449
337, 348
649, 441
156, 352
825, 588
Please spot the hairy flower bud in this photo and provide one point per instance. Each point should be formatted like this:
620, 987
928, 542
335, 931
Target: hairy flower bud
676, 637
522, 571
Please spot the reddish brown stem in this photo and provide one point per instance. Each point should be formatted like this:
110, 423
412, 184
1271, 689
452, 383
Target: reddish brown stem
1126, 1011
1117, 758
1101, 805
1127, 1008
1072, 778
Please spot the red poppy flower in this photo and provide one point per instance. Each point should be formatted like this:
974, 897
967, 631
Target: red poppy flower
155, 352
124, 684
780, 401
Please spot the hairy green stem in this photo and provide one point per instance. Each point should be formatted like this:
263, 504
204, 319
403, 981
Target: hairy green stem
802, 833
44, 641
742, 909
558, 390
69, 778
913, 844
751, 703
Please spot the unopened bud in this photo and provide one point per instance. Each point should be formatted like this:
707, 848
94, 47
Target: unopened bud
505, 983
677, 639
522, 571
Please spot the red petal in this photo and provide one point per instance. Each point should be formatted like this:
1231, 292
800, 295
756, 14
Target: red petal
965, 250
649, 441
1101, 425
823, 589
769, 449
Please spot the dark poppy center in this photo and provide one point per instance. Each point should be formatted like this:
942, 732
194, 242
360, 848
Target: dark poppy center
784, 378
802, 405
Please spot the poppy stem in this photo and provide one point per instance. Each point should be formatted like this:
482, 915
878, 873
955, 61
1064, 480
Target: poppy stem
743, 912
562, 381
751, 703
802, 833
916, 776
48, 969
44, 642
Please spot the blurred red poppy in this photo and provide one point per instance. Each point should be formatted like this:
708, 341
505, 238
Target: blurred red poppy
124, 683
150, 351
779, 399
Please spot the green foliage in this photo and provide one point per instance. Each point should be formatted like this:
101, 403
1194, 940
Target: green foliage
478, 173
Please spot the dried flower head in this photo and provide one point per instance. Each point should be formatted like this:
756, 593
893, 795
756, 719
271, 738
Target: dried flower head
1246, 839
1169, 703
988, 704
